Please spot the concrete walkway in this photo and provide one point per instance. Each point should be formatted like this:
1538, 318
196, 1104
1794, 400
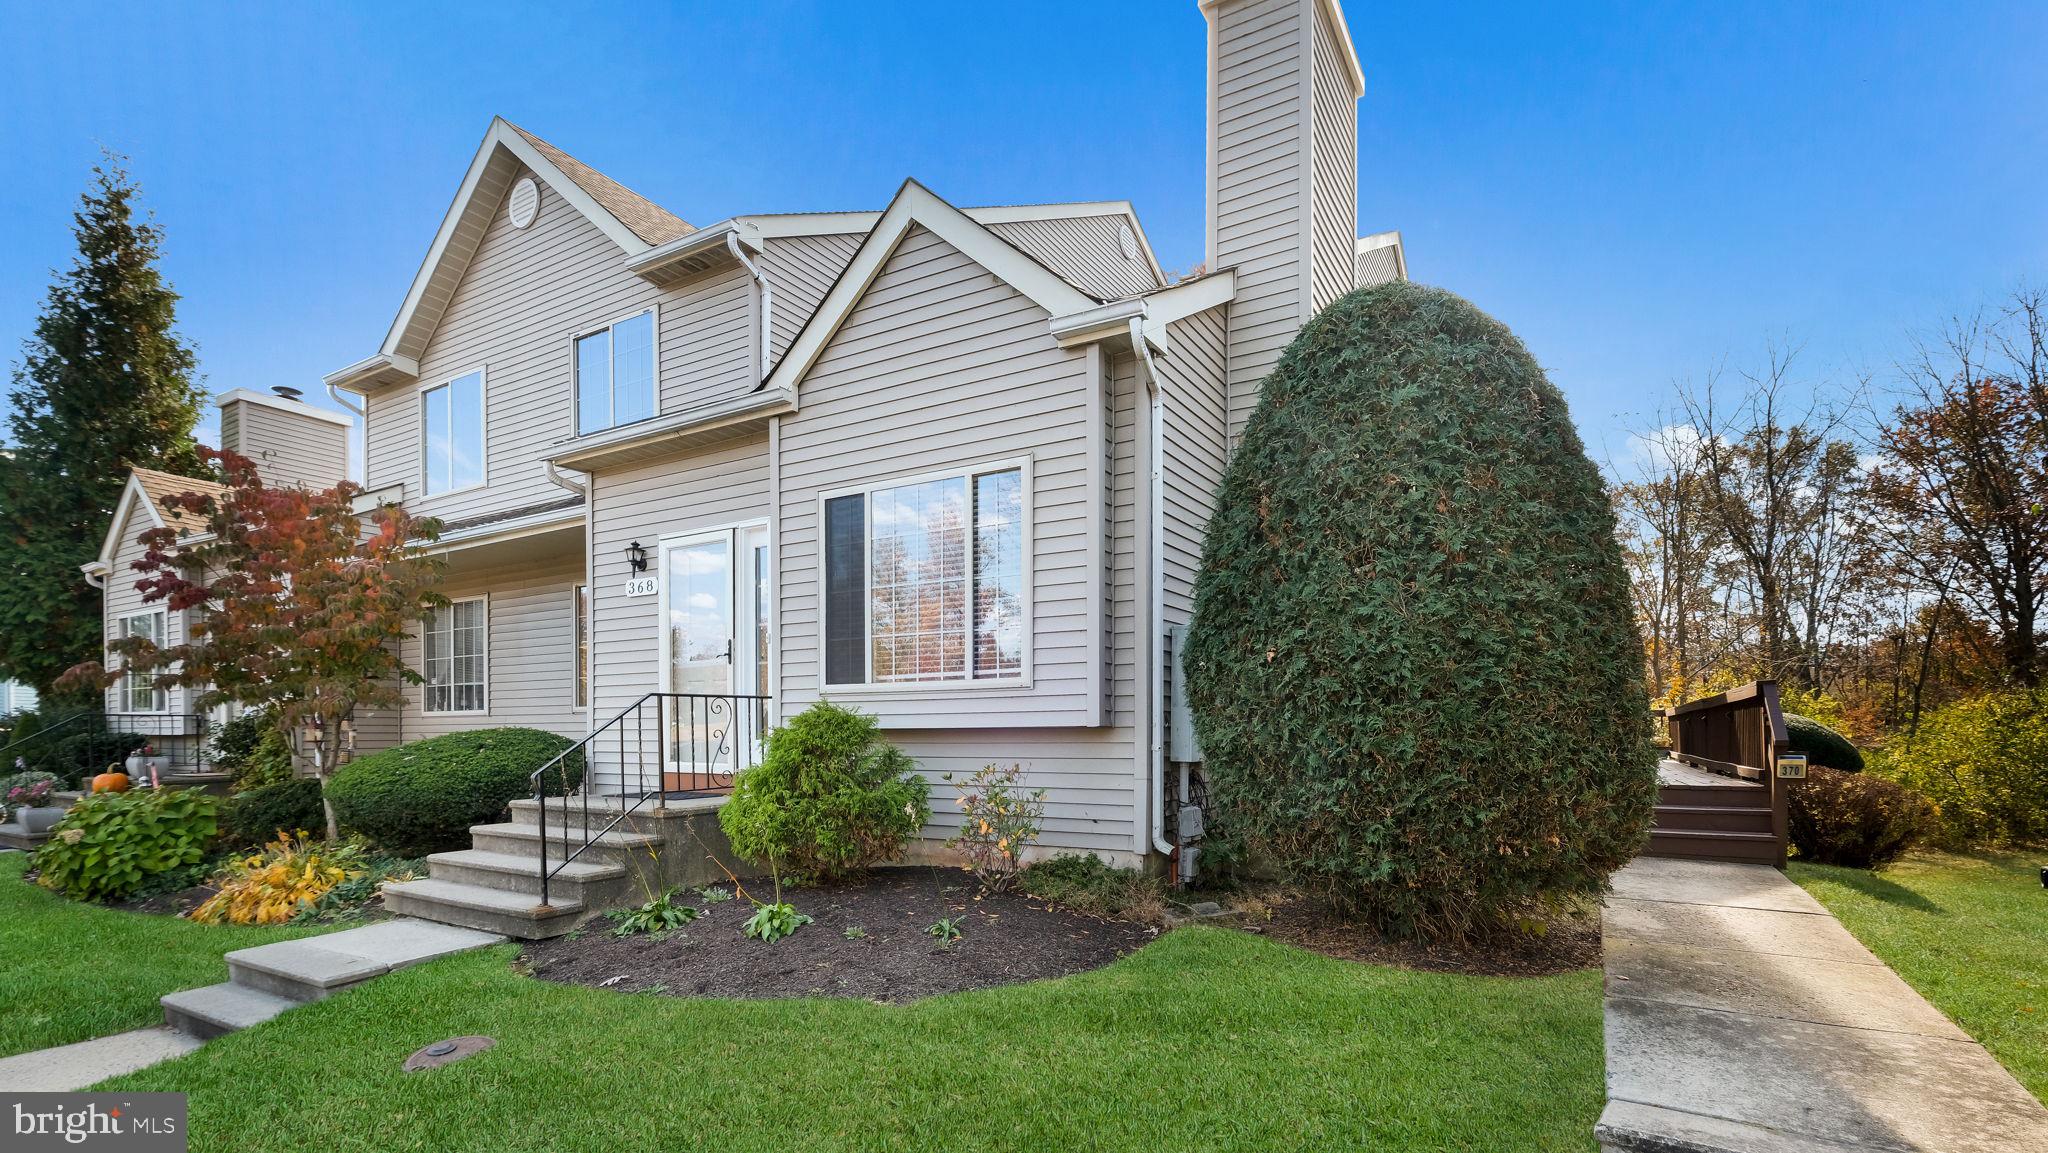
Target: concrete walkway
262, 983
1742, 1017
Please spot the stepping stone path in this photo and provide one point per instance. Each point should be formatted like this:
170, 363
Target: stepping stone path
1742, 1018
262, 982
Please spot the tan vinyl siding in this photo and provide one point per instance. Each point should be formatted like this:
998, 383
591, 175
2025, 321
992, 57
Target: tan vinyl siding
801, 270
526, 295
1084, 251
1260, 183
1193, 428
1087, 775
942, 365
231, 427
289, 449
1378, 266
1334, 201
530, 650
123, 599
1120, 553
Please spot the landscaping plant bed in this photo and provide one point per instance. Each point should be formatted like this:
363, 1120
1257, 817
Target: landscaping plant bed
1004, 939
1565, 944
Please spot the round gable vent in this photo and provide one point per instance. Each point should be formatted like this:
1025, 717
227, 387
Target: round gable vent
1128, 241
524, 204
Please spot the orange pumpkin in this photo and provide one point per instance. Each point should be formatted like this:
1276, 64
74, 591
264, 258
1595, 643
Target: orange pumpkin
110, 783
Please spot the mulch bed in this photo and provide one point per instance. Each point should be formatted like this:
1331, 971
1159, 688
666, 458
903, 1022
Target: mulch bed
1567, 945
1005, 938
170, 904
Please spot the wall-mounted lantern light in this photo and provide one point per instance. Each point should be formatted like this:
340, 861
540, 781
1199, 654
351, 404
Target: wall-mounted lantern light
636, 556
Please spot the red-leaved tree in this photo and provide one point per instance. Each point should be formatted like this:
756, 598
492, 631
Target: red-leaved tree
298, 603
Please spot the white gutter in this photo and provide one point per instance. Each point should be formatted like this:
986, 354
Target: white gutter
732, 243
93, 575
1155, 575
334, 394
559, 481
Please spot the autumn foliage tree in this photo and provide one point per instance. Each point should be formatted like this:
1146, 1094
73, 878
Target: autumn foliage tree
297, 602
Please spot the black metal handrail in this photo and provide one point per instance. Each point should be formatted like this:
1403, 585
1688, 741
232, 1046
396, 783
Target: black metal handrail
699, 742
111, 727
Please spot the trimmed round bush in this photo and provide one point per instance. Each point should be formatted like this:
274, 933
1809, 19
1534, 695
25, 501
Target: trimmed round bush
829, 797
1413, 663
422, 797
1857, 819
1821, 744
257, 816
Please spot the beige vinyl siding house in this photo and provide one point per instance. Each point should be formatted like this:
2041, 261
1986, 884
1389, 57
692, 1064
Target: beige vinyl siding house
950, 466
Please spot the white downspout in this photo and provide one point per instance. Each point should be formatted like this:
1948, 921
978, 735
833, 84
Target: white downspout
334, 394
1155, 580
555, 476
732, 244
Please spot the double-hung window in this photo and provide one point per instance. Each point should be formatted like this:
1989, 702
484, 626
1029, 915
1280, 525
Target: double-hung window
925, 580
457, 657
615, 374
139, 691
454, 416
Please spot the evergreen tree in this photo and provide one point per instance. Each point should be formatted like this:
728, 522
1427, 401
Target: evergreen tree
106, 384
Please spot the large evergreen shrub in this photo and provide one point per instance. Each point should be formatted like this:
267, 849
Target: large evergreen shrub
1821, 744
1414, 669
422, 797
1984, 763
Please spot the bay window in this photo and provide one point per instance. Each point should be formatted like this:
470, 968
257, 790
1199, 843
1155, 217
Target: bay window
924, 580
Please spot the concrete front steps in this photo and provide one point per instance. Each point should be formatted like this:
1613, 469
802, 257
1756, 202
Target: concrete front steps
494, 885
270, 979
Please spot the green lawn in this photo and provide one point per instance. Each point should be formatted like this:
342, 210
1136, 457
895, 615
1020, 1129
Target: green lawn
69, 972
1969, 932
1207, 1039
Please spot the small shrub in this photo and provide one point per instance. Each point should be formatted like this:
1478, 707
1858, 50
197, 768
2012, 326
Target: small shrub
1821, 744
1856, 819
998, 820
109, 844
945, 931
254, 750
267, 812
1085, 884
422, 797
830, 796
277, 885
1984, 763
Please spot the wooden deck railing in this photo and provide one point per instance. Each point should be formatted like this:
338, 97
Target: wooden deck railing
1740, 732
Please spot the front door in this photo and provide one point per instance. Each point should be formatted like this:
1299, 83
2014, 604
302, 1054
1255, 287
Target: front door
715, 597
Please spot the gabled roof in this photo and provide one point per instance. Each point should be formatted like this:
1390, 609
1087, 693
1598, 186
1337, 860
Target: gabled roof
147, 489
917, 205
633, 222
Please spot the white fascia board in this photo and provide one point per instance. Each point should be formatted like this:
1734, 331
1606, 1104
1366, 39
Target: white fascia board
1074, 210
131, 497
501, 135
682, 247
1351, 69
916, 204
1157, 309
371, 371
773, 225
283, 404
1377, 240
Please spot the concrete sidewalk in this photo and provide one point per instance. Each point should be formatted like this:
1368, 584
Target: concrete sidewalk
1742, 1017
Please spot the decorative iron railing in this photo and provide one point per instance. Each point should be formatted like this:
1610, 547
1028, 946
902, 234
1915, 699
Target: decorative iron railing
88, 740
661, 746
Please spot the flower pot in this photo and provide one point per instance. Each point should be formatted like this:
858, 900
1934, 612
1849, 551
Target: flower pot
40, 820
140, 768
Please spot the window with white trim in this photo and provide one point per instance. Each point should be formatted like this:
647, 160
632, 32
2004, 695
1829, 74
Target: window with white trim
615, 374
453, 414
457, 657
140, 692
925, 580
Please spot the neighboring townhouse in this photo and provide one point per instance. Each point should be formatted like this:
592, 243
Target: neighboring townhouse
950, 466
292, 443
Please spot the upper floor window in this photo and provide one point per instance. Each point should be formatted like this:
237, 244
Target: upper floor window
139, 691
455, 433
925, 580
615, 374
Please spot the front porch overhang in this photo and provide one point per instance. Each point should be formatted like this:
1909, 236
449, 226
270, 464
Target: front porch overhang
729, 418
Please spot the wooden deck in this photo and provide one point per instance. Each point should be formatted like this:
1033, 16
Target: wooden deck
1704, 815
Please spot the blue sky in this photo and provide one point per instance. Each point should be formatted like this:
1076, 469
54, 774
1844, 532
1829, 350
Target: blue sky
1640, 191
